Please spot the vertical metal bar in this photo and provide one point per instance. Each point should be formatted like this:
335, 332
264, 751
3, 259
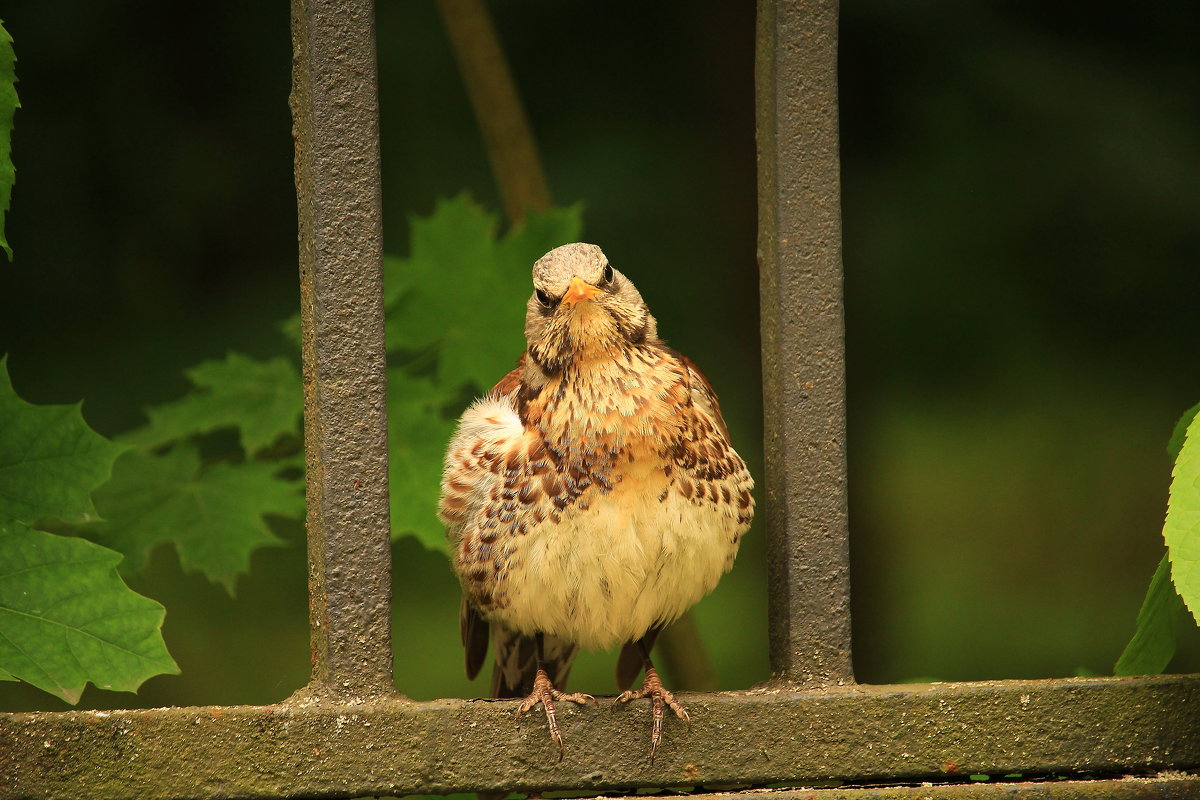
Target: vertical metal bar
335, 112
802, 339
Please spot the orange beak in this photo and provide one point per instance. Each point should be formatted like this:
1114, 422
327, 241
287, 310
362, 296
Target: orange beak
580, 291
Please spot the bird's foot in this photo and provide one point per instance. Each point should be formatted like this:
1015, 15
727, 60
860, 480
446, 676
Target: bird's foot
545, 693
660, 699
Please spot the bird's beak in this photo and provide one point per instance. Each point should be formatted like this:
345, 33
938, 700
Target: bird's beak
580, 291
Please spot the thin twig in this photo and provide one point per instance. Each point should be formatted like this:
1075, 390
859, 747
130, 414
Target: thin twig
502, 121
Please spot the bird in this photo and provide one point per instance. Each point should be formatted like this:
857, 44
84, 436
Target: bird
592, 496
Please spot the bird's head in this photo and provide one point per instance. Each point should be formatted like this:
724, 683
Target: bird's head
581, 306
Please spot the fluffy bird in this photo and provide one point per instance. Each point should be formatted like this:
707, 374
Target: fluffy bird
592, 496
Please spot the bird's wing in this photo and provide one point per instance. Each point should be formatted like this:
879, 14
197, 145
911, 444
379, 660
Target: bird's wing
474, 630
474, 464
516, 661
632, 658
703, 396
488, 460
462, 493
510, 383
713, 473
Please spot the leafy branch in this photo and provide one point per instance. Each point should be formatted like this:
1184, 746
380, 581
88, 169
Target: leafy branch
181, 480
66, 617
1175, 586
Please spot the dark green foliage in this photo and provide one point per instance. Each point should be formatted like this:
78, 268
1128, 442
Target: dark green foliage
449, 339
418, 429
212, 509
66, 617
261, 399
214, 515
50, 460
1153, 642
463, 288
1176, 582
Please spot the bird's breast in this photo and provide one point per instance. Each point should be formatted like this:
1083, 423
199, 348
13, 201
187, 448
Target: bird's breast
633, 402
624, 548
581, 508
617, 564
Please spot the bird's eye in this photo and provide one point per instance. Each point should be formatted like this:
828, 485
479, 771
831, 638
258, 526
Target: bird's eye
546, 300
608, 275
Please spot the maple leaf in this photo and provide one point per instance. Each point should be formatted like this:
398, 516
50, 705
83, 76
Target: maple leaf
464, 289
418, 431
261, 399
67, 618
213, 515
50, 460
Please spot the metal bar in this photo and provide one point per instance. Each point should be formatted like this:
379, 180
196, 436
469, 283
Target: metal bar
1076, 727
802, 341
335, 112
1168, 787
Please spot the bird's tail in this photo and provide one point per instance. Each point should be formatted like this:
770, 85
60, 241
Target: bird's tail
516, 661
516, 667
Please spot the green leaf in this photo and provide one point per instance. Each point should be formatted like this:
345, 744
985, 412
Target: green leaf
418, 432
464, 290
214, 516
1182, 528
290, 328
8, 107
262, 399
66, 617
1153, 642
1176, 441
50, 460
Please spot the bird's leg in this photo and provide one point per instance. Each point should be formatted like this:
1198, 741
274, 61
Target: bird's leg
660, 699
545, 693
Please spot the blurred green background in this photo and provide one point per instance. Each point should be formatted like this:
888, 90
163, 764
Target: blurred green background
1022, 232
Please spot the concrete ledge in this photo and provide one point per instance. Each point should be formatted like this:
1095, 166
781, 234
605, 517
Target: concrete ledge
1075, 727
1170, 787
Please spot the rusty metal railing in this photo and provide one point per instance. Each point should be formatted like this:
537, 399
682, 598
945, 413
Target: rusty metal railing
350, 734
803, 346
335, 108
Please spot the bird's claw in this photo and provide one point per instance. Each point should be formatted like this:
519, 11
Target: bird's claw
660, 699
545, 693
